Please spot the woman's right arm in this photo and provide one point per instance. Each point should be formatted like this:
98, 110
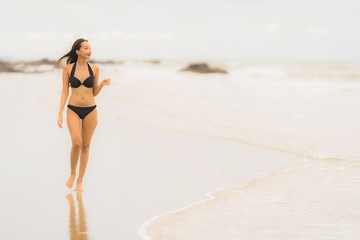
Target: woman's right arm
64, 94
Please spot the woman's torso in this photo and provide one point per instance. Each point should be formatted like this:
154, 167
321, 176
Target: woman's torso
81, 81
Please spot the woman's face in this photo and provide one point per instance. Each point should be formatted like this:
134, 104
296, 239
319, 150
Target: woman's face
85, 50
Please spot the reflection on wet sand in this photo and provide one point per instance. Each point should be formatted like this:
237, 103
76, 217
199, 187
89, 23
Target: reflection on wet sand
77, 224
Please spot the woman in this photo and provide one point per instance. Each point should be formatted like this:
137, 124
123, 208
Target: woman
82, 77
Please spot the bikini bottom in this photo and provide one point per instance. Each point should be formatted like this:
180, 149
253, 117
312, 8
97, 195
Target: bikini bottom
82, 112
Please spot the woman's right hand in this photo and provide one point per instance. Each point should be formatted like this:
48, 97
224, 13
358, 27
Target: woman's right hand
60, 120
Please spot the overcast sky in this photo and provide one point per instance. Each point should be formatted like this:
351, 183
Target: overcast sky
183, 29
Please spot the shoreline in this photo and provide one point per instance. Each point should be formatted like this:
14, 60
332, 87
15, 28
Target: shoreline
262, 202
210, 196
142, 229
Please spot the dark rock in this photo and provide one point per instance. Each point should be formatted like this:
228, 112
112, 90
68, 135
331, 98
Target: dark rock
43, 61
203, 68
37, 66
46, 61
7, 67
154, 61
106, 62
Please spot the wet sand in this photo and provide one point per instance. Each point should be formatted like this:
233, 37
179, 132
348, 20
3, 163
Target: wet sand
146, 160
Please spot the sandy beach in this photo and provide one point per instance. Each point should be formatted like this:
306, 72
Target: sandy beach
268, 151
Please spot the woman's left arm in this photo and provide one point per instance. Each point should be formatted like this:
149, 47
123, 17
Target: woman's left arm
97, 87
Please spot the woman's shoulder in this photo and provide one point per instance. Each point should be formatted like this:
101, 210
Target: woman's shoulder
94, 66
67, 68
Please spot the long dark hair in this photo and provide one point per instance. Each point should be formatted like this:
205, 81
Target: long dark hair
71, 55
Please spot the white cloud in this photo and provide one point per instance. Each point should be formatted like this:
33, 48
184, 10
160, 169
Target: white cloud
128, 36
158, 36
68, 36
105, 35
118, 33
318, 30
122, 35
41, 35
273, 26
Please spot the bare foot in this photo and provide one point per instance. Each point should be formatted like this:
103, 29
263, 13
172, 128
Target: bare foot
70, 198
70, 181
79, 187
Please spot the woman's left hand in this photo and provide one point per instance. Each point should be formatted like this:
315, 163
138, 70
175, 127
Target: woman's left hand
105, 82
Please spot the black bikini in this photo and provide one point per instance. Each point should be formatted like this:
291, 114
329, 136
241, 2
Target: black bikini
82, 112
74, 82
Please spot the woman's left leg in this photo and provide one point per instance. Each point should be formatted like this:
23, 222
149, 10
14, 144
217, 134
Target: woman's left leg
89, 124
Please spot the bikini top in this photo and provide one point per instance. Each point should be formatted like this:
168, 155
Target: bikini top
74, 82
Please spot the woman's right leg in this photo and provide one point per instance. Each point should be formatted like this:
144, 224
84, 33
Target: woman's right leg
74, 125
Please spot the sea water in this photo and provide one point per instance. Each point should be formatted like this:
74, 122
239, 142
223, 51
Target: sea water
306, 110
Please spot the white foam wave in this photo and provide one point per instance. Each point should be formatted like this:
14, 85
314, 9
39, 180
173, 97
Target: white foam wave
308, 200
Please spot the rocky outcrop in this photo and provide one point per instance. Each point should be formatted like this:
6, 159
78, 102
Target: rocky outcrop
7, 67
203, 68
38, 66
154, 61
